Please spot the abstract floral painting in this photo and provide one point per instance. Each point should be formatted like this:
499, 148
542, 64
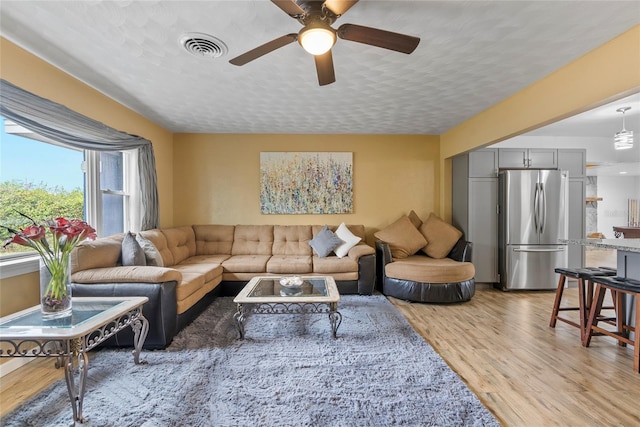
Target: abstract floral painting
306, 183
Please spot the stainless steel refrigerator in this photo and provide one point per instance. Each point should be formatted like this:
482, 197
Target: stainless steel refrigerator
533, 216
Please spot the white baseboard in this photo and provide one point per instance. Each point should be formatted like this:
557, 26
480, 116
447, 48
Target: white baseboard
13, 364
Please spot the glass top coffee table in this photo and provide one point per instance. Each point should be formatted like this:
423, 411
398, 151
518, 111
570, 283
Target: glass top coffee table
92, 321
281, 295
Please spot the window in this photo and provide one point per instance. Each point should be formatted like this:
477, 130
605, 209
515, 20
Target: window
99, 181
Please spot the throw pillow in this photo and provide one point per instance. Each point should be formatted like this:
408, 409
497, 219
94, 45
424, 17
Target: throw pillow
132, 253
415, 219
151, 253
403, 238
324, 242
441, 236
349, 239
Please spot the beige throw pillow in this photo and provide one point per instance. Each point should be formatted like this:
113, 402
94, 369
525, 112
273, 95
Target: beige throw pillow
403, 238
415, 219
441, 236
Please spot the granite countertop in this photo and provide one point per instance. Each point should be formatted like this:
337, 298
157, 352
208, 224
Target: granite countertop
631, 245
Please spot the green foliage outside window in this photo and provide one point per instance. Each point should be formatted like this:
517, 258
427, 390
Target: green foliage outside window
39, 202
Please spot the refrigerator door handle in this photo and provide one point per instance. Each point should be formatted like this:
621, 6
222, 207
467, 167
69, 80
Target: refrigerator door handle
536, 220
543, 208
540, 250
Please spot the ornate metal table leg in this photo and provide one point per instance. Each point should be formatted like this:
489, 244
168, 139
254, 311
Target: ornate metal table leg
240, 318
335, 317
76, 393
140, 328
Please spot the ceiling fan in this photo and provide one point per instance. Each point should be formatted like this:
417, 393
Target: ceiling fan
318, 37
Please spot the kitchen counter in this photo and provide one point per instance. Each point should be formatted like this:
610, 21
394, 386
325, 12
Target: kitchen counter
628, 245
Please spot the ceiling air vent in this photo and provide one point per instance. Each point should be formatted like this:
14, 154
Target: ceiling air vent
203, 45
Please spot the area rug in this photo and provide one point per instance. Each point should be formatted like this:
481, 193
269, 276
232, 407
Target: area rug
288, 371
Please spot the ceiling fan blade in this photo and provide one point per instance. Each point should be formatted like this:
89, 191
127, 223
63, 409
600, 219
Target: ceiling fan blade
264, 49
380, 38
339, 7
289, 7
324, 67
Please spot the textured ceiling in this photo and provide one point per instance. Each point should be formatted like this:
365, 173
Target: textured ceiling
472, 55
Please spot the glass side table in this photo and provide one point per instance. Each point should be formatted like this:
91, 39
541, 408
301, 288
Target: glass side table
93, 320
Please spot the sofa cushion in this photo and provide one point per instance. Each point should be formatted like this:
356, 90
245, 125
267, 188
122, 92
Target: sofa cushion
181, 242
349, 239
252, 240
333, 264
132, 274
151, 253
206, 259
190, 283
441, 237
291, 240
213, 239
96, 254
420, 268
159, 240
403, 238
324, 242
246, 264
132, 253
289, 264
209, 271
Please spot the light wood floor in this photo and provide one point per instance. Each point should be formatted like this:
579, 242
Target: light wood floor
525, 372
500, 344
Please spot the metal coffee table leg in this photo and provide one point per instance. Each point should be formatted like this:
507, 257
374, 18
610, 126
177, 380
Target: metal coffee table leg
76, 391
335, 318
140, 328
240, 318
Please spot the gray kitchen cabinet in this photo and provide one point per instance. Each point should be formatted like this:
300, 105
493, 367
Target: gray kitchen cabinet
483, 163
577, 220
574, 161
474, 208
525, 158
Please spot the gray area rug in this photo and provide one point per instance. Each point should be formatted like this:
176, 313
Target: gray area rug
289, 371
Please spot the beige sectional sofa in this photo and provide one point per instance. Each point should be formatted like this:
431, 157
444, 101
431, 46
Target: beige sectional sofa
197, 263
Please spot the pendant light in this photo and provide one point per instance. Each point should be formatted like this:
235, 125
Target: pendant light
623, 140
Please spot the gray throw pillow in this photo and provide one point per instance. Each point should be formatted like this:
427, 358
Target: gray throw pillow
324, 242
151, 253
132, 253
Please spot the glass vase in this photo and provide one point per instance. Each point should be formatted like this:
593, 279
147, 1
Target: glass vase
55, 289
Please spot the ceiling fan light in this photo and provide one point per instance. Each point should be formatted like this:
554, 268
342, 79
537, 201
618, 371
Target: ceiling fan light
317, 40
623, 140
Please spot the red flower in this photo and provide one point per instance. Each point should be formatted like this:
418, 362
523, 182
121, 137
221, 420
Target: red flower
17, 240
33, 232
53, 240
80, 228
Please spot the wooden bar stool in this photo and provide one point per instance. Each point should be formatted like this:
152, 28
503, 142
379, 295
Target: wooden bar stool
585, 295
619, 287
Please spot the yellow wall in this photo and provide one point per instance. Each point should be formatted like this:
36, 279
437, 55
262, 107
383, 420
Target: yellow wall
218, 181
18, 293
